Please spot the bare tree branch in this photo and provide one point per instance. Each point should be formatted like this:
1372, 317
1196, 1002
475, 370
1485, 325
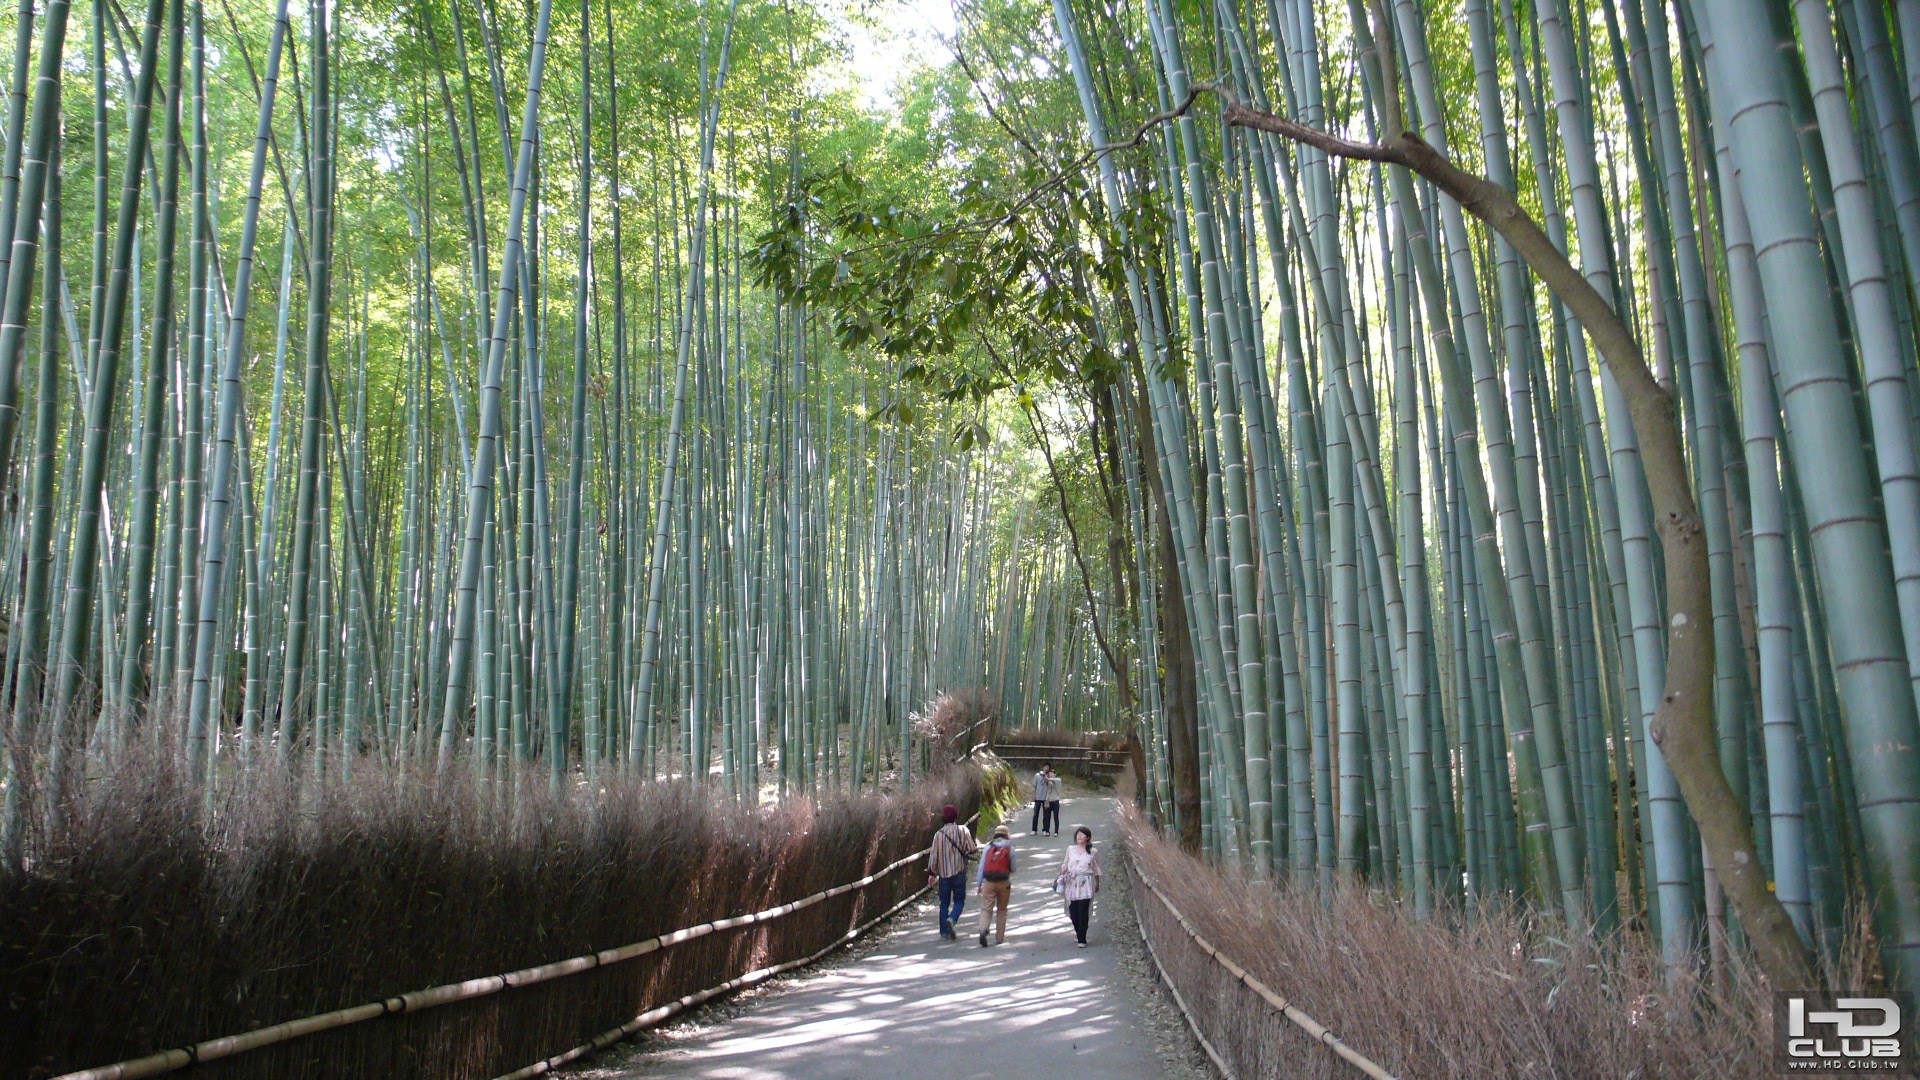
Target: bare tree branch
1683, 724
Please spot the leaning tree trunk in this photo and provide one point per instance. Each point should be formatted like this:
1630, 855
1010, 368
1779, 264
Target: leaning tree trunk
1685, 725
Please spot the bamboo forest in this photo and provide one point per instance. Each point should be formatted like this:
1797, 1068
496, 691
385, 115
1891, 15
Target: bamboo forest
1447, 472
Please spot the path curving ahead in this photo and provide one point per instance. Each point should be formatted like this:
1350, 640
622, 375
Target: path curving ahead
919, 1008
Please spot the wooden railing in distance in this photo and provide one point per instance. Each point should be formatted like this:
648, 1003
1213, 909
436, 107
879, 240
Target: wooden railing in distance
1108, 759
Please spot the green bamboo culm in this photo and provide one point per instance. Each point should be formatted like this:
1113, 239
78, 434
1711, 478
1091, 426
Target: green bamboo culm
1469, 454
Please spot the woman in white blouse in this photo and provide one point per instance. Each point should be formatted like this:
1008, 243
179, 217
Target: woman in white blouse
1079, 880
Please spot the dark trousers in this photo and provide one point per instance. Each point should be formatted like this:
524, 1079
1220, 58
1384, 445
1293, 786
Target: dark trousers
1081, 912
1046, 815
953, 898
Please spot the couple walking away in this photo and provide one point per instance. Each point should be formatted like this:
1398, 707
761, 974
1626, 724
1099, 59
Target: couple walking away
953, 847
1046, 802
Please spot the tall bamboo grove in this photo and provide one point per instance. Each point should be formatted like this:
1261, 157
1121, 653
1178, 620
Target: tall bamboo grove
1506, 478
1524, 415
391, 388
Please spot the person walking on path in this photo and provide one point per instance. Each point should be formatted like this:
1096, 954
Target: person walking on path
947, 864
996, 884
1046, 801
1079, 880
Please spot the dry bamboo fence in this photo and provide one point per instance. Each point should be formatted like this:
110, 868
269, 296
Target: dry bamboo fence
1097, 757
1063, 755
226, 1048
1246, 1028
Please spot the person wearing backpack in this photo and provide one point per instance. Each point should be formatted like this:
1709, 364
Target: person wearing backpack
996, 884
947, 864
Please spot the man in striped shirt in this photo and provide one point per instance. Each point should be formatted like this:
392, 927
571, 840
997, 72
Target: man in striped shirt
947, 864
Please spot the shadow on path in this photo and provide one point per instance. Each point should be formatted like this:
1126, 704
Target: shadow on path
919, 1007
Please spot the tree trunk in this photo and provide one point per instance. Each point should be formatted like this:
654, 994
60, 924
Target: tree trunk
1684, 727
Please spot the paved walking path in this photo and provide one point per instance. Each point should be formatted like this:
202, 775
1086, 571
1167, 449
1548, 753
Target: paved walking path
919, 1007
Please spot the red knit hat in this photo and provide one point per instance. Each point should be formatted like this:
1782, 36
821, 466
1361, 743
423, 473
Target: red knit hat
948, 813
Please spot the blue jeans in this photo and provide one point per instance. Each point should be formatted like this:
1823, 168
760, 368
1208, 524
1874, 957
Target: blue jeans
953, 898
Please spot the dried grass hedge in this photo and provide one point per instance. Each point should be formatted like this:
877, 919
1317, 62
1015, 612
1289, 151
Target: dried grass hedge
953, 719
1500, 994
149, 921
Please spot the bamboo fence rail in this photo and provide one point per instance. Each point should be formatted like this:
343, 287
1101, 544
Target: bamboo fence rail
173, 1060
1080, 754
656, 1015
1317, 1030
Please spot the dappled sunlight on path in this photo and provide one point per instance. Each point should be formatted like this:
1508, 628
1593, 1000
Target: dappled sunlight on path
919, 1007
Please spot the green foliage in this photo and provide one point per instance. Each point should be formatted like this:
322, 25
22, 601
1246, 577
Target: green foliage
990, 298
